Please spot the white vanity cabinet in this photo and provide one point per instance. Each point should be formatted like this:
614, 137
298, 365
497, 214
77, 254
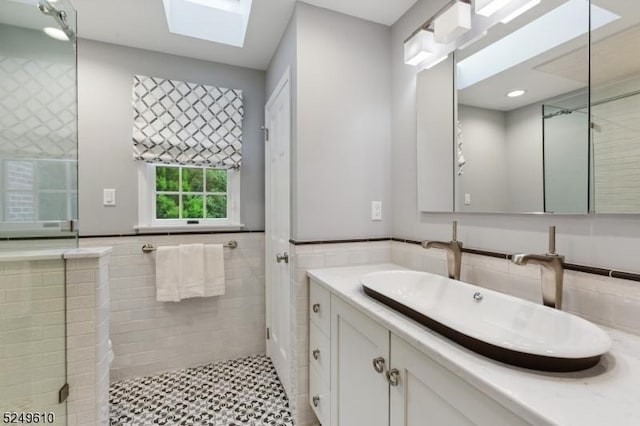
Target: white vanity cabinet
429, 394
377, 379
359, 360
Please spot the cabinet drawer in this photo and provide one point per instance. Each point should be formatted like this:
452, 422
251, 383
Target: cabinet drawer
320, 307
320, 353
319, 397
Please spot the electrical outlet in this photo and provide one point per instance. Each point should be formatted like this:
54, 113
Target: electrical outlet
376, 210
467, 199
109, 197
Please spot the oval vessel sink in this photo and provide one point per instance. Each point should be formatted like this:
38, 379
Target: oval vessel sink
499, 326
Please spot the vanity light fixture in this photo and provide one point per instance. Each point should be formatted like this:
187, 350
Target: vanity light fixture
453, 22
520, 11
489, 7
429, 65
56, 33
516, 93
418, 48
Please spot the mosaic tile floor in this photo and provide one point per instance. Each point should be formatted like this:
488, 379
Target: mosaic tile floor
240, 392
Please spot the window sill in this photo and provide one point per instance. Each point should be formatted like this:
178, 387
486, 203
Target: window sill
152, 229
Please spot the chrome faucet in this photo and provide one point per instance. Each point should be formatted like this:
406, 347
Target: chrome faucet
454, 252
552, 271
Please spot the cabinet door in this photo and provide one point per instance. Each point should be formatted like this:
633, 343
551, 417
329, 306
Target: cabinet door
360, 394
428, 394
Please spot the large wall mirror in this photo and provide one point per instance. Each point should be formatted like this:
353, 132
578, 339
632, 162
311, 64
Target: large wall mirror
521, 138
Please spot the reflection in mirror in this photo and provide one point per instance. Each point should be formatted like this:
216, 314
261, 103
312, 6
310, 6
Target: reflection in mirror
615, 110
522, 115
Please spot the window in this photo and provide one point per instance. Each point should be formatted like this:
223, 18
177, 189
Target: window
35, 191
187, 196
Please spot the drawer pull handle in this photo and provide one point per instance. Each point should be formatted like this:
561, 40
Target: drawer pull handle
378, 364
393, 376
316, 401
316, 354
316, 308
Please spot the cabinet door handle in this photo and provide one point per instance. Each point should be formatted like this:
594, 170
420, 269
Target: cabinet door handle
378, 364
316, 308
316, 354
316, 401
393, 376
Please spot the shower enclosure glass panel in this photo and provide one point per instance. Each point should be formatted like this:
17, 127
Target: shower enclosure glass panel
38, 119
38, 204
566, 157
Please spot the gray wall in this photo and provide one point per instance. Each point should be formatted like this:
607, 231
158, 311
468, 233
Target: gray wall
435, 138
286, 57
612, 241
524, 159
105, 76
343, 126
485, 150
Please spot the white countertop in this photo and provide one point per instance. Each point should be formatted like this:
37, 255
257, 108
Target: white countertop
607, 394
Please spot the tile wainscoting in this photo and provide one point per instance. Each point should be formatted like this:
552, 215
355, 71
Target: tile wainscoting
311, 256
151, 337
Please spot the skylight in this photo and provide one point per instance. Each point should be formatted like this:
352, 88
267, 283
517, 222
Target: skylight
220, 21
559, 26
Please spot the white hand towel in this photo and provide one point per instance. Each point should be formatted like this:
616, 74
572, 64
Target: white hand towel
167, 274
214, 270
191, 270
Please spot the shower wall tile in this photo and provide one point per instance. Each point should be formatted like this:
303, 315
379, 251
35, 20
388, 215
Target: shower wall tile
151, 337
32, 359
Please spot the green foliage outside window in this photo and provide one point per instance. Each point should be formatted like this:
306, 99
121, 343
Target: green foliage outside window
203, 193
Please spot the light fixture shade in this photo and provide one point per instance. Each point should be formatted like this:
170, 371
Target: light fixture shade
529, 5
435, 61
489, 7
454, 22
418, 48
56, 33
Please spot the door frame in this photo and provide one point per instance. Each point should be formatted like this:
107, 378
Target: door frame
284, 81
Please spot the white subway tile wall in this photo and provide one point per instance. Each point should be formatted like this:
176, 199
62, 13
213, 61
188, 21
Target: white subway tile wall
151, 337
608, 301
305, 257
88, 340
32, 330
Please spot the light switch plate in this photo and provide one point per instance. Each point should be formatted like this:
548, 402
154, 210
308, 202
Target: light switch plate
467, 199
109, 197
376, 210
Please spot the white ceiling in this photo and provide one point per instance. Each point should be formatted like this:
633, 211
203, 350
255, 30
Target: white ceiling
142, 24
385, 12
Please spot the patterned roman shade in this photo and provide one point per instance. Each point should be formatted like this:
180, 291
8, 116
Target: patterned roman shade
186, 123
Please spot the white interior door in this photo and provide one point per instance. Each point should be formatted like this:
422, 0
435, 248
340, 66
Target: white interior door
277, 223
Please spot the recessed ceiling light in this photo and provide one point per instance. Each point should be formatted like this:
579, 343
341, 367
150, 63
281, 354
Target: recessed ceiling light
516, 93
56, 33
